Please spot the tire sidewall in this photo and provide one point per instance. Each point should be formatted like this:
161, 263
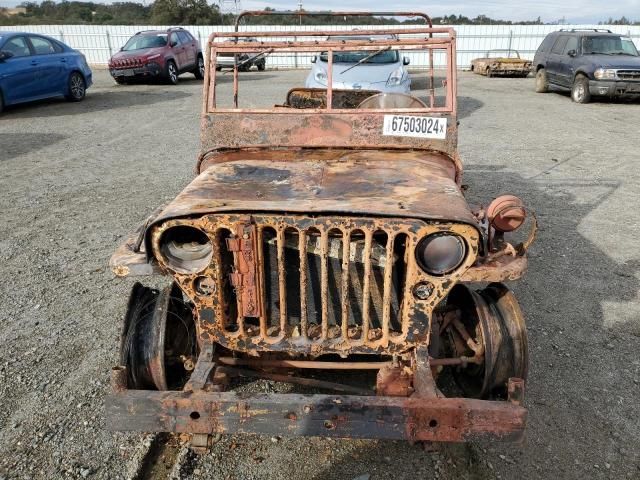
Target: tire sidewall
580, 90
172, 79
199, 73
542, 85
72, 96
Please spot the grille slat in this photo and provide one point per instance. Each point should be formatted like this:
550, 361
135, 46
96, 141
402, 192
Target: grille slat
324, 285
344, 290
366, 287
282, 281
386, 296
302, 247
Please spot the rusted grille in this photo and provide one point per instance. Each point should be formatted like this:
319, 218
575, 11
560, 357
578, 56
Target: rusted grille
324, 282
629, 74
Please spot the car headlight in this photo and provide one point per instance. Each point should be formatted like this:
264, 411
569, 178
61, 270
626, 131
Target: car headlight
605, 74
185, 249
396, 77
157, 55
441, 253
321, 77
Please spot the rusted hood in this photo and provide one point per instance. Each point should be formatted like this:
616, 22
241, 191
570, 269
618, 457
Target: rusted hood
400, 184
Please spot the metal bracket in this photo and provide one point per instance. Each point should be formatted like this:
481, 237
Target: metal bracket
244, 246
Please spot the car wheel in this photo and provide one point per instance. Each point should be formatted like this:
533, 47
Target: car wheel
542, 84
262, 65
172, 72
199, 71
580, 90
77, 87
121, 80
489, 72
1, 103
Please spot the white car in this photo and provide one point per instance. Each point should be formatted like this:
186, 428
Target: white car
383, 70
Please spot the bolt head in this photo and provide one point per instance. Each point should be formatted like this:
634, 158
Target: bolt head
423, 290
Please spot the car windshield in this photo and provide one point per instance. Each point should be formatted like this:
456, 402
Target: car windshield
139, 42
386, 56
606, 45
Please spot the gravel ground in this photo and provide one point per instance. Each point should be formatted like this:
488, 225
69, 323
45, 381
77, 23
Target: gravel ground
77, 177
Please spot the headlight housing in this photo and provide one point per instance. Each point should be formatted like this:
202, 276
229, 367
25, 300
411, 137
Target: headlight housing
321, 76
441, 253
605, 74
185, 249
396, 77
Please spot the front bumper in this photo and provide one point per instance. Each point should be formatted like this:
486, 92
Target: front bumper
149, 70
614, 88
414, 418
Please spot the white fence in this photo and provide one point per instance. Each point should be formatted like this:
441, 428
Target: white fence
99, 42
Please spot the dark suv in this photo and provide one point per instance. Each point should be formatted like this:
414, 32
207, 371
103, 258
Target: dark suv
158, 53
589, 63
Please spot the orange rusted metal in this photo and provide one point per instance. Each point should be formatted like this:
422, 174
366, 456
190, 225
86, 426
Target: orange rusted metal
296, 247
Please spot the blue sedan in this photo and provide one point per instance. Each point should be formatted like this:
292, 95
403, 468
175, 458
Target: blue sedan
33, 67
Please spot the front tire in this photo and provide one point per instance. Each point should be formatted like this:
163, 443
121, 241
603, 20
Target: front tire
121, 80
199, 71
1, 102
262, 65
580, 90
489, 72
77, 87
171, 72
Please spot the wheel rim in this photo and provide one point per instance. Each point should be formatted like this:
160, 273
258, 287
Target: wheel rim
172, 73
201, 66
77, 86
579, 92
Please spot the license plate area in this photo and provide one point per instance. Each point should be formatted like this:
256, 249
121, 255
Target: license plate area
415, 126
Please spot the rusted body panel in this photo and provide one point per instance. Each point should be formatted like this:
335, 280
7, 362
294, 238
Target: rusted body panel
407, 184
506, 65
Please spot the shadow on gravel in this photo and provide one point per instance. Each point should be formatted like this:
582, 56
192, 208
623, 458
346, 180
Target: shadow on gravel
226, 76
574, 354
16, 144
94, 102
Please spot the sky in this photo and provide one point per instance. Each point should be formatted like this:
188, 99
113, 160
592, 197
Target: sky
573, 11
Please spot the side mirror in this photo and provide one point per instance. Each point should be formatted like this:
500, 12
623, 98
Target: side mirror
572, 53
406, 61
314, 59
173, 43
4, 55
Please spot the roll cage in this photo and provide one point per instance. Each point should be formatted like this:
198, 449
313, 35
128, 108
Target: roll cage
421, 38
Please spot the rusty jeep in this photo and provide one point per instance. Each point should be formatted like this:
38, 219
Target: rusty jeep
325, 243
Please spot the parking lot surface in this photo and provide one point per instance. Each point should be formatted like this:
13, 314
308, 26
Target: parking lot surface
77, 177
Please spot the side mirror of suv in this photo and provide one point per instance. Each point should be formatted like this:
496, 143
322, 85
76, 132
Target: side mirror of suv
406, 61
173, 43
314, 59
4, 55
572, 53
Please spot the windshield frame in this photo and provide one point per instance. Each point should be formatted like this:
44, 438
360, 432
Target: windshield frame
136, 38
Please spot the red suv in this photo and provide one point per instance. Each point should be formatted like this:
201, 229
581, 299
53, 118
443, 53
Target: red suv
158, 53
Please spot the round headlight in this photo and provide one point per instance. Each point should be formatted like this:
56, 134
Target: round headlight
441, 253
186, 249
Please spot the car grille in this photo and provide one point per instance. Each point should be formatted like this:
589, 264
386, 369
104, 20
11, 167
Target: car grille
327, 284
633, 75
